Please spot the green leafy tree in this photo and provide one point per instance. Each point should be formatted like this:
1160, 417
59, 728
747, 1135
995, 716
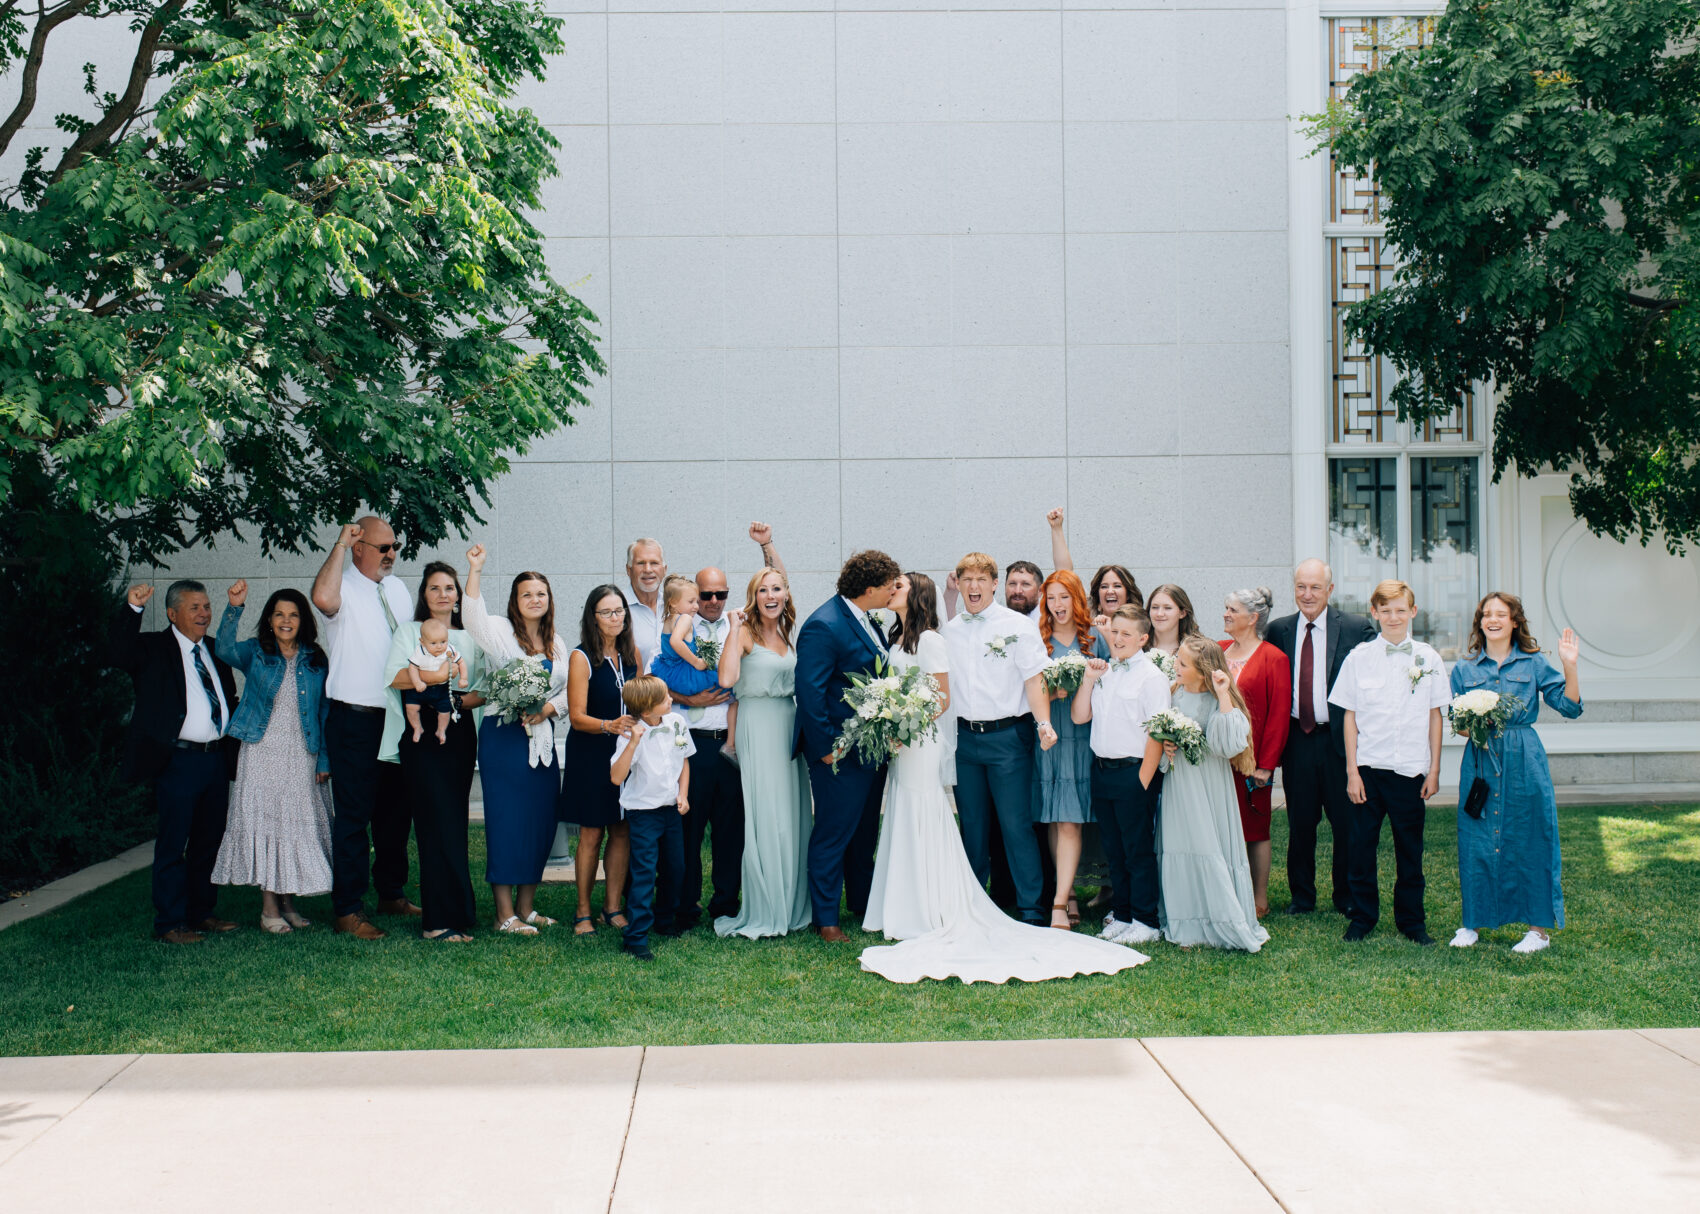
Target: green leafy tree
300, 280
1539, 163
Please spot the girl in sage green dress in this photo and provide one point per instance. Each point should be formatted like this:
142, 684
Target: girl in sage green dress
1206, 878
760, 660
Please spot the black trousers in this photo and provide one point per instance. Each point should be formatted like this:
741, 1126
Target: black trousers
1398, 799
717, 805
1126, 813
367, 795
193, 799
1313, 775
437, 782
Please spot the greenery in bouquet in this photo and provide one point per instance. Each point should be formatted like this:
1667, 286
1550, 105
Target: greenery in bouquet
1065, 673
517, 689
708, 649
890, 710
1173, 725
1480, 715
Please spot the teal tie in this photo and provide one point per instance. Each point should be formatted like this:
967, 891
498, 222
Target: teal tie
208, 687
1403, 647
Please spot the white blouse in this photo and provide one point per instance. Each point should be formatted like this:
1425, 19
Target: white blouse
495, 636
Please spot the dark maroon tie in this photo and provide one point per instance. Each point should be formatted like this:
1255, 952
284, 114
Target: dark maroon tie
1307, 679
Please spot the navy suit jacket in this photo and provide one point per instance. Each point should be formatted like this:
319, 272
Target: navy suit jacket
830, 648
1345, 633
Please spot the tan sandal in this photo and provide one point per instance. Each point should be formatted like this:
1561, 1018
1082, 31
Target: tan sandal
1073, 912
1061, 909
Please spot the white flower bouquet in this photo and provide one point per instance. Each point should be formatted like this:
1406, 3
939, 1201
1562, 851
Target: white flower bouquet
1173, 725
1065, 673
1480, 715
1164, 662
517, 689
889, 710
708, 649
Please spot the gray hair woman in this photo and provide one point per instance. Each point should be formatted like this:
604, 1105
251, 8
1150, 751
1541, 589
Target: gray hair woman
1265, 680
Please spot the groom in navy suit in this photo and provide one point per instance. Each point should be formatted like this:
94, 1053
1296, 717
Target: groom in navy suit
837, 641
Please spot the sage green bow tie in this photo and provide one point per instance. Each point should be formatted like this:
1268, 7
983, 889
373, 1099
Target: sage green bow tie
969, 615
1403, 647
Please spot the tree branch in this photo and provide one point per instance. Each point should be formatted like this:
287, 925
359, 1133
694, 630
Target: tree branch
141, 70
1657, 305
46, 23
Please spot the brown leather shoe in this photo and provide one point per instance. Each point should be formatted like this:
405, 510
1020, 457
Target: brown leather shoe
210, 925
832, 935
358, 926
398, 906
180, 935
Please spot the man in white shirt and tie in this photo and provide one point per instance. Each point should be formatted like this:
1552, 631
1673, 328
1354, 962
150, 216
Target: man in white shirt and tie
1316, 640
362, 605
177, 744
998, 695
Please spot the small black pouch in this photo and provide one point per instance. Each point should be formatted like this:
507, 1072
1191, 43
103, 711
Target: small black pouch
1477, 799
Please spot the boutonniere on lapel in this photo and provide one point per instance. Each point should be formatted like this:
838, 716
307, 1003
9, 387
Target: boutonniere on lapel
999, 647
1417, 671
680, 737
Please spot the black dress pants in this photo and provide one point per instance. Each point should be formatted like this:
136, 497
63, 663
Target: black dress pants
437, 783
192, 795
368, 796
1398, 799
1313, 775
717, 806
1126, 813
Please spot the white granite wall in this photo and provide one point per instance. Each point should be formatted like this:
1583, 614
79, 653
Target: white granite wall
906, 278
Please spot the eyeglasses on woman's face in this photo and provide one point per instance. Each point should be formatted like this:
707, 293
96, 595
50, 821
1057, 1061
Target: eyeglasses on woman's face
611, 613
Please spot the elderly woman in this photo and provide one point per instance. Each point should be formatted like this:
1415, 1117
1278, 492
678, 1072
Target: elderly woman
521, 780
1265, 679
278, 834
437, 776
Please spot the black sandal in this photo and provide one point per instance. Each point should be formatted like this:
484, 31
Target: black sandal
590, 919
608, 918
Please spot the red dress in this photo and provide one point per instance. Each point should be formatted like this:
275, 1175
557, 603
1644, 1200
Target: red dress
1266, 683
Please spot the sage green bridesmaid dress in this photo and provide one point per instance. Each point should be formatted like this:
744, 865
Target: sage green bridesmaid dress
778, 813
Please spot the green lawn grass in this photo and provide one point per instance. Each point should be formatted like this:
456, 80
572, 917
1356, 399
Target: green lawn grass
87, 979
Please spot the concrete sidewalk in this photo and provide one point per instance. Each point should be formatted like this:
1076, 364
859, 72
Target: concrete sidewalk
1544, 1122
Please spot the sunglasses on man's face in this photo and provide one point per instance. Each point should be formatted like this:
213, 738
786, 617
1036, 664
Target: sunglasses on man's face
713, 594
383, 549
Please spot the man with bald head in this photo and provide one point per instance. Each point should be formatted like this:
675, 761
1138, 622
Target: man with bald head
362, 605
1316, 639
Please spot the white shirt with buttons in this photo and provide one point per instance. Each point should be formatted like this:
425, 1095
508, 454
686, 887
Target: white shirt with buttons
1122, 701
988, 686
653, 781
1391, 711
197, 716
358, 637
1319, 668
715, 715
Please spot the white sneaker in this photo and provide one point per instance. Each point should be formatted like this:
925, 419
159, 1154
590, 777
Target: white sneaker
1464, 938
1112, 927
1534, 942
1138, 933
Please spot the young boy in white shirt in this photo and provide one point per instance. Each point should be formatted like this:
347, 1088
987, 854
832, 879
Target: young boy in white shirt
654, 781
1393, 690
1118, 696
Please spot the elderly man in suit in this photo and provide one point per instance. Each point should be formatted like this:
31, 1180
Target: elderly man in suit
177, 745
1316, 639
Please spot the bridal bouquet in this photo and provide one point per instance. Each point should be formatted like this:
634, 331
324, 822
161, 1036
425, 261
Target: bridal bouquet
518, 690
708, 649
1164, 662
889, 710
1173, 725
1480, 715
1065, 673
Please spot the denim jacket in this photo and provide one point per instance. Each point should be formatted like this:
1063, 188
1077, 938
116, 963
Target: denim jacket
264, 672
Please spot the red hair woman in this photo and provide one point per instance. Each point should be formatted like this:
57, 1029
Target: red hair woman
1065, 770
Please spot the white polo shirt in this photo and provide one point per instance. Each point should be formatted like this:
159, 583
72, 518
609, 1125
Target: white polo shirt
661, 753
986, 685
358, 637
1392, 712
1122, 701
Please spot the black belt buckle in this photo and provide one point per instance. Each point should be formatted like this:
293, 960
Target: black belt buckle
356, 707
203, 747
997, 726
719, 735
1113, 764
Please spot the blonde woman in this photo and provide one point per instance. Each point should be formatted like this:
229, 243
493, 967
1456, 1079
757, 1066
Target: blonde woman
760, 661
1206, 878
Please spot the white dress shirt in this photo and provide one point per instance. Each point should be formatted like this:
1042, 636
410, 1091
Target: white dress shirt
714, 716
1392, 713
1122, 701
661, 753
197, 721
869, 625
358, 637
1319, 669
983, 685
646, 631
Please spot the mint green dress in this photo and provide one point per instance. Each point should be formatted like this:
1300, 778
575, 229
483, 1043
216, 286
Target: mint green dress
778, 812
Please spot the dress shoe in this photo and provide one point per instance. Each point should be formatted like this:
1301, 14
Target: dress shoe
1419, 936
832, 935
211, 925
398, 906
1356, 931
640, 951
358, 926
180, 935
1295, 909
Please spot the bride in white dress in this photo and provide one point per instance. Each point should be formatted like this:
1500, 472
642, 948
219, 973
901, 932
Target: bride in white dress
924, 892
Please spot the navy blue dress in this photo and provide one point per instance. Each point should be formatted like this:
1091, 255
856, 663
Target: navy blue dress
588, 796
519, 803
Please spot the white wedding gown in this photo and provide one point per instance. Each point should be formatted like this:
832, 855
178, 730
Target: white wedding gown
925, 895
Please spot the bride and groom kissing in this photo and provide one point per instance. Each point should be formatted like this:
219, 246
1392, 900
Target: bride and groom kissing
922, 888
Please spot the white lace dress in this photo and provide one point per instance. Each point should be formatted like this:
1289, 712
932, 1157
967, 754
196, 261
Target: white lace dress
925, 895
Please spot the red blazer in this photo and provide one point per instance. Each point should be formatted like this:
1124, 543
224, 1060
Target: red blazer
1266, 683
